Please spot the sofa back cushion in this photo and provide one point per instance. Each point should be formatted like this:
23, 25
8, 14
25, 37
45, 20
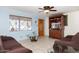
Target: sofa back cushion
75, 41
9, 43
75, 38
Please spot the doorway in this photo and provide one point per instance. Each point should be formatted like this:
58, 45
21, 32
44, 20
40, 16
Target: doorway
40, 27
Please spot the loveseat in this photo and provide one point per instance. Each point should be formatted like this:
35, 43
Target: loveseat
10, 45
68, 41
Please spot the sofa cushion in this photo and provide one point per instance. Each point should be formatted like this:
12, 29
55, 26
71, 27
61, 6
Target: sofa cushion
20, 50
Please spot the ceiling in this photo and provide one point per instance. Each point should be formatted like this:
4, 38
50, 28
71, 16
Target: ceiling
35, 10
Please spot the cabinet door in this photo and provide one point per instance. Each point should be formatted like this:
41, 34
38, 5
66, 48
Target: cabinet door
57, 34
50, 33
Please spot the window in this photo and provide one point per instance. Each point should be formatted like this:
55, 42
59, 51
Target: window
25, 25
20, 23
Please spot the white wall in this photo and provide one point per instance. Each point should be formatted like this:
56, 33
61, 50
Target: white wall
73, 23
46, 25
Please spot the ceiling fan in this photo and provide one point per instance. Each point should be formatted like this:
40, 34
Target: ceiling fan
47, 9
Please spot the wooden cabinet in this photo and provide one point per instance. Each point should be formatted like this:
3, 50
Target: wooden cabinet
56, 27
55, 34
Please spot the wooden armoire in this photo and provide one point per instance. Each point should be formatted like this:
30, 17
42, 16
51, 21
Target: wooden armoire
56, 26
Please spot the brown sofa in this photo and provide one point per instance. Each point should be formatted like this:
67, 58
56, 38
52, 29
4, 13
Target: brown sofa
10, 45
72, 41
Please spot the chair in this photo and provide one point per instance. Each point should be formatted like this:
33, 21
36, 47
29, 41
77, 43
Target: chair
10, 45
62, 44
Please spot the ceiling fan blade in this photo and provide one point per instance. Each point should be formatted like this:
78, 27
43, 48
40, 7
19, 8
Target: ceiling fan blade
53, 10
52, 7
40, 11
41, 8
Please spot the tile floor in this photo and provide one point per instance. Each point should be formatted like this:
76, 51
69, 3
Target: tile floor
41, 46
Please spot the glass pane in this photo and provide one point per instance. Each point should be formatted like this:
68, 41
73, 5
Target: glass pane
14, 25
23, 25
29, 25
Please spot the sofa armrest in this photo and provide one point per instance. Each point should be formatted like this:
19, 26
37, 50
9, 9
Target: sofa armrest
3, 51
20, 50
67, 38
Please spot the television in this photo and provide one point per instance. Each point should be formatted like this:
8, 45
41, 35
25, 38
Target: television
55, 25
65, 20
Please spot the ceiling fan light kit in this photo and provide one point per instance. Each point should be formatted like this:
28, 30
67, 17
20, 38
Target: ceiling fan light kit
46, 11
